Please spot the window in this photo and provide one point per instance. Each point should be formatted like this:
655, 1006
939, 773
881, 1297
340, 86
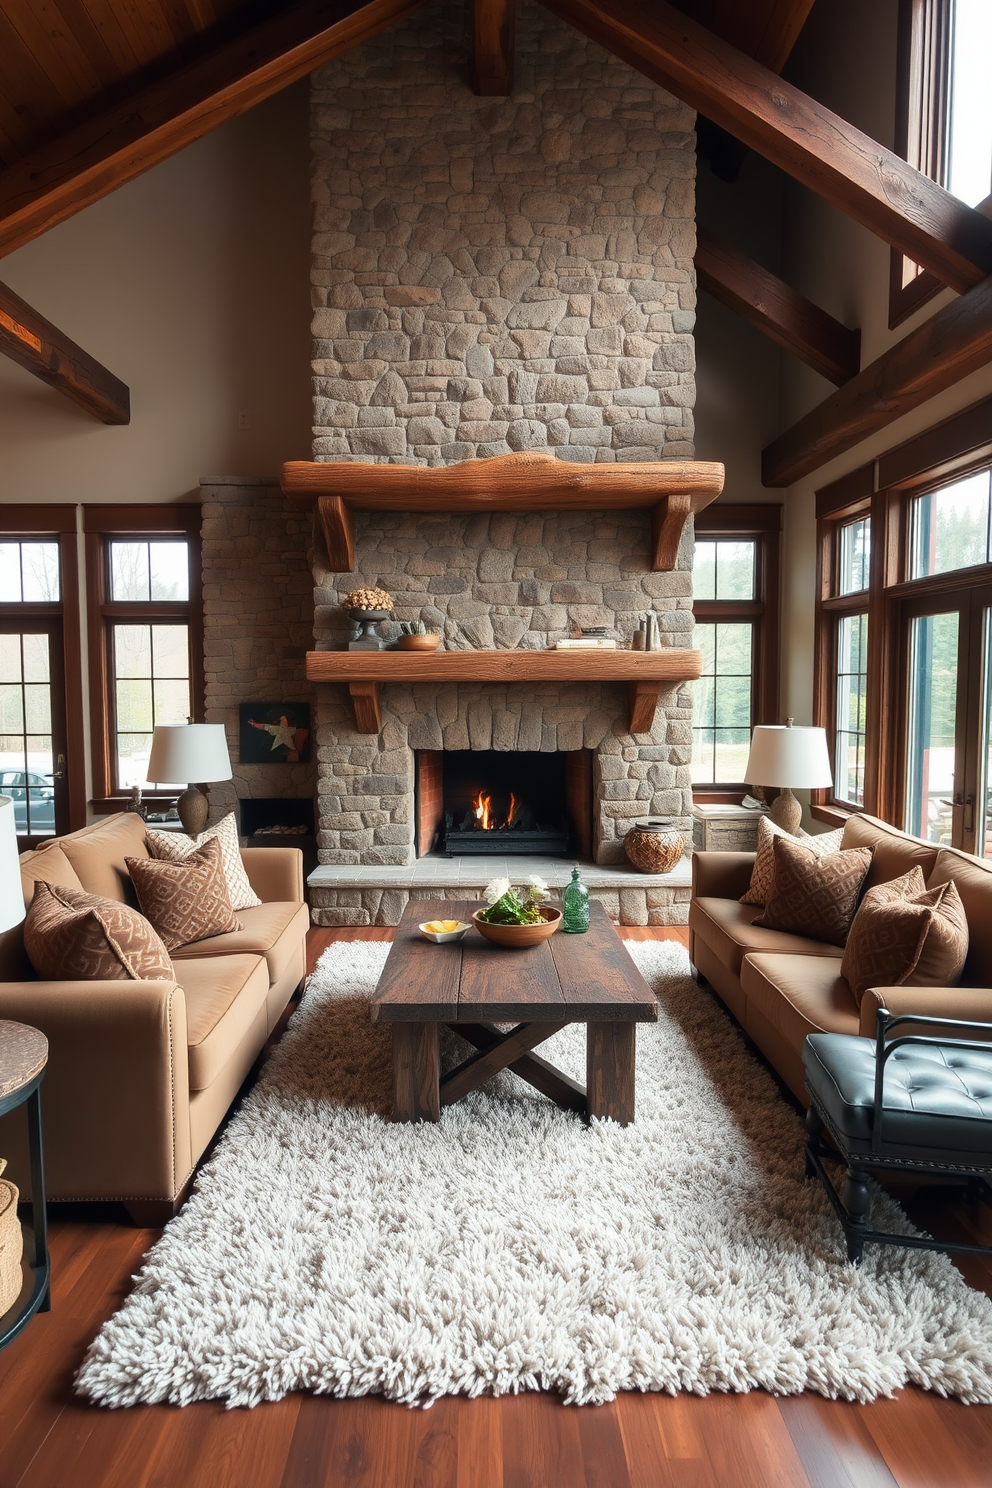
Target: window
904, 634
735, 597
944, 117
39, 624
147, 640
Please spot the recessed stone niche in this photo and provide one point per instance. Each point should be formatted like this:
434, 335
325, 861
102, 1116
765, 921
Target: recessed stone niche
494, 275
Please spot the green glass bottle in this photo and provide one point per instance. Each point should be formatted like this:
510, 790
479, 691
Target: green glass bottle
575, 906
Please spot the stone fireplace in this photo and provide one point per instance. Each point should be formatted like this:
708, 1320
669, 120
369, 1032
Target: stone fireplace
496, 275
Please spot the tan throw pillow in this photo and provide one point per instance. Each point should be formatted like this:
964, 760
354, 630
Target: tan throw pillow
905, 934
185, 901
815, 896
70, 935
174, 847
763, 873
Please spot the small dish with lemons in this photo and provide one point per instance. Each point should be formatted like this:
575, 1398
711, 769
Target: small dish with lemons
442, 931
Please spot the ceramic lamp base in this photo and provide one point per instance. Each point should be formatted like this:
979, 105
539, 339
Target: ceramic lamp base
193, 808
786, 812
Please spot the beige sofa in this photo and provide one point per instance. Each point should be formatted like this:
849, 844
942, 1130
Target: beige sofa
782, 987
141, 1074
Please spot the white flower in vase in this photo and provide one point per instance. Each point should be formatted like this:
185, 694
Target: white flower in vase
495, 889
538, 888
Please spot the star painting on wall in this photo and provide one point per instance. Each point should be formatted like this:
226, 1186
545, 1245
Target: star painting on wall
275, 733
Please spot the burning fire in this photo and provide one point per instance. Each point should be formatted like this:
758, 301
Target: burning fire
482, 805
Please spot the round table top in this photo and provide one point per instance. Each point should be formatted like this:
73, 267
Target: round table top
23, 1054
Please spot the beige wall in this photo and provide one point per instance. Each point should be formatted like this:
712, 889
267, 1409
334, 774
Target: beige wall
192, 285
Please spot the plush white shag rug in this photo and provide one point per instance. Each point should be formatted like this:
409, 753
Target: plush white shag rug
511, 1247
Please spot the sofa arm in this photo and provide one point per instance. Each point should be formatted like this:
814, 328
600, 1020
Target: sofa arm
115, 1095
275, 873
970, 1004
721, 875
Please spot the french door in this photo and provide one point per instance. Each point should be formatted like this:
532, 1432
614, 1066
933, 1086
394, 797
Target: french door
32, 726
946, 765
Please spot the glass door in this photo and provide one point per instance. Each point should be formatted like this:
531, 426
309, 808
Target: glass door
32, 727
932, 763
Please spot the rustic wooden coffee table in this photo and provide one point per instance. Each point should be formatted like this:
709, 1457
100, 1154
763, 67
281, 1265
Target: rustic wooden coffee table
471, 985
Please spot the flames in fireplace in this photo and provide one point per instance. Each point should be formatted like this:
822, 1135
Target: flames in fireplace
487, 818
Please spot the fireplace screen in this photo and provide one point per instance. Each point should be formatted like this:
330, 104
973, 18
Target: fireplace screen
494, 802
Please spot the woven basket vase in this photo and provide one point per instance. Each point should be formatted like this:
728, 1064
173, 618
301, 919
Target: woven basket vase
11, 1244
654, 845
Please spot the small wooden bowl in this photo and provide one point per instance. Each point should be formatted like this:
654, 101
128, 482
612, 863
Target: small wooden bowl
519, 936
418, 642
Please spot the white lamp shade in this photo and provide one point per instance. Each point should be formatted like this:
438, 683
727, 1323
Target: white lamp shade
791, 757
11, 892
185, 752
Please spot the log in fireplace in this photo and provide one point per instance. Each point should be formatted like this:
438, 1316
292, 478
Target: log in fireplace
474, 801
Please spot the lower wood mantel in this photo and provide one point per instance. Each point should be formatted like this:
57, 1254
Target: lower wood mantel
364, 672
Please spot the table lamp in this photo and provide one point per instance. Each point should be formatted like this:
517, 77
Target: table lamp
790, 758
190, 752
11, 892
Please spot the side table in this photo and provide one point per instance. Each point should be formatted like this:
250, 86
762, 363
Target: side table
23, 1056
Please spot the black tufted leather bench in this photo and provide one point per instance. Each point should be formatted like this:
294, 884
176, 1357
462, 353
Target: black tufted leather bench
915, 1103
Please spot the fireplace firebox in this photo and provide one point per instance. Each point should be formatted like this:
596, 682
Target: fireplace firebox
474, 801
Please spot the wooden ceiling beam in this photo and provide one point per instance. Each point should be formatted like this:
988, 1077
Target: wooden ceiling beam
833, 158
778, 311
141, 131
41, 349
955, 341
493, 25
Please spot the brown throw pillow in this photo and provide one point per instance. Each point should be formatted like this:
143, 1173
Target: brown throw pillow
763, 873
70, 935
815, 896
905, 934
185, 901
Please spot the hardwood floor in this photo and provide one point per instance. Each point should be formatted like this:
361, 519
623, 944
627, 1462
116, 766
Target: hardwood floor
48, 1439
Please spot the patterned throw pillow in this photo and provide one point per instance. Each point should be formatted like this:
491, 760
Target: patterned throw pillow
185, 901
71, 935
763, 873
905, 934
173, 847
815, 896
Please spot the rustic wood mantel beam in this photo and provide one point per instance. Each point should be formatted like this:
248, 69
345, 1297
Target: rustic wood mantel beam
520, 482
777, 310
492, 46
41, 349
824, 152
952, 343
139, 131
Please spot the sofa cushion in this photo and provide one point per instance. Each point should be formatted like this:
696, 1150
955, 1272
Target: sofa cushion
798, 995
173, 847
763, 874
815, 896
223, 998
185, 901
904, 932
894, 852
727, 928
98, 855
272, 930
49, 865
71, 936
973, 880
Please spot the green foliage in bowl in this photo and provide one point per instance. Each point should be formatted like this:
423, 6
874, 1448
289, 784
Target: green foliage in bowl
510, 906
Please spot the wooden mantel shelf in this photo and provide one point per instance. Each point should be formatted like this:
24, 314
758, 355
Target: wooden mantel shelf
671, 489
364, 672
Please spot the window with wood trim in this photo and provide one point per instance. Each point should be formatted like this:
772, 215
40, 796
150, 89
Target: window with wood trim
735, 589
944, 118
41, 708
904, 635
146, 639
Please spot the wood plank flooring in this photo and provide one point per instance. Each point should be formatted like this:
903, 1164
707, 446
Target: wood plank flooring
48, 1439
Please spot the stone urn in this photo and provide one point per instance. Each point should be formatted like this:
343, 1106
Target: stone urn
654, 844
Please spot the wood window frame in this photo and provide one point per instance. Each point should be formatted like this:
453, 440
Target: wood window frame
922, 89
762, 523
101, 524
57, 522
883, 488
